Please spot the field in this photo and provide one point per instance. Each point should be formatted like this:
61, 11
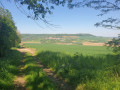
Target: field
82, 67
71, 49
67, 39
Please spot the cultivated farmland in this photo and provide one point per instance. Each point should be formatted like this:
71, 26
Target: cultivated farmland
82, 67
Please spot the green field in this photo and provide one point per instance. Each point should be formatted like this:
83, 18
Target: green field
92, 68
71, 49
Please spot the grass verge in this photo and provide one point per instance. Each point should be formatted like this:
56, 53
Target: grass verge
9, 69
85, 72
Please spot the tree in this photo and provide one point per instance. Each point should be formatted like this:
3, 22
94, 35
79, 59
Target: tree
115, 44
8, 32
105, 6
40, 8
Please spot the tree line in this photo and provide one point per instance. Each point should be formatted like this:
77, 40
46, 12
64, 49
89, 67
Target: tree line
9, 36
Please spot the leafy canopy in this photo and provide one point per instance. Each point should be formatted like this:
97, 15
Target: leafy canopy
115, 44
42, 7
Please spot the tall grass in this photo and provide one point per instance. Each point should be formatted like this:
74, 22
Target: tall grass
85, 72
9, 69
95, 69
36, 79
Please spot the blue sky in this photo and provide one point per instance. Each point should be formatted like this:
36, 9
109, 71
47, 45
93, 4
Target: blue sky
78, 20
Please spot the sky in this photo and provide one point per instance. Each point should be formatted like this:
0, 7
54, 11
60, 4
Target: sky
77, 20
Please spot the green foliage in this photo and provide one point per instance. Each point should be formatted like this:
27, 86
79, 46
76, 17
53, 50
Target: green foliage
105, 6
115, 44
8, 32
8, 69
41, 8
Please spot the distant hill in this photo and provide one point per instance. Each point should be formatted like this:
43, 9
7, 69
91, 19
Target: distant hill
63, 38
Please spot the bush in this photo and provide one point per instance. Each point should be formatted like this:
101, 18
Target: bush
115, 44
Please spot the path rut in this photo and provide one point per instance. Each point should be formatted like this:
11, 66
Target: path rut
19, 81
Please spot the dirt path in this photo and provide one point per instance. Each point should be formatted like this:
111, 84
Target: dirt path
19, 81
60, 83
27, 50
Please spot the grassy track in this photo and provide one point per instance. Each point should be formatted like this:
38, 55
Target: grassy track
9, 69
36, 79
